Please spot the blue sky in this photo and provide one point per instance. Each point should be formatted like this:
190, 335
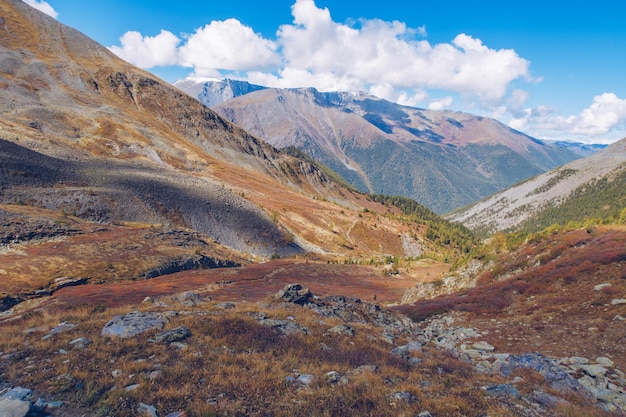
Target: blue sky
553, 70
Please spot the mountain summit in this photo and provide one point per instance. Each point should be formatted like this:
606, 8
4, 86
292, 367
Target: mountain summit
442, 159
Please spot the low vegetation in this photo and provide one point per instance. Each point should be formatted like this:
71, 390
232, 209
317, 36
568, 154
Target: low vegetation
232, 365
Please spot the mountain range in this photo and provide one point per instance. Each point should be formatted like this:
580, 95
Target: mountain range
442, 159
156, 259
588, 188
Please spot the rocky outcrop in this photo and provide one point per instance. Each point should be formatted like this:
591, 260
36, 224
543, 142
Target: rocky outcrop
186, 263
600, 382
132, 324
295, 293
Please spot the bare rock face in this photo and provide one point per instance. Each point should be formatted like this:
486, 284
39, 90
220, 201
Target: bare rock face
132, 324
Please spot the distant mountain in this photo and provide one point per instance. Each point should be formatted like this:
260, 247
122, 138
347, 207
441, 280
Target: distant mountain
212, 92
442, 159
582, 149
593, 187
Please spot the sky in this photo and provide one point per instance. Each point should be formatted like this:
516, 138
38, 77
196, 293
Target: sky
551, 69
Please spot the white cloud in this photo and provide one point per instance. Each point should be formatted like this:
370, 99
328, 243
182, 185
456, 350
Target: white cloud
227, 45
606, 112
603, 121
441, 104
42, 6
386, 59
148, 51
315, 51
388, 53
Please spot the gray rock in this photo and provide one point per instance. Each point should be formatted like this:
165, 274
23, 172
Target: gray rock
17, 393
575, 360
342, 329
181, 413
179, 345
604, 361
599, 287
617, 301
131, 387
503, 390
62, 327
174, 335
147, 410
547, 400
594, 371
404, 396
332, 377
226, 306
10, 407
484, 346
132, 324
188, 298
424, 414
553, 373
306, 379
80, 343
285, 327
295, 293
405, 351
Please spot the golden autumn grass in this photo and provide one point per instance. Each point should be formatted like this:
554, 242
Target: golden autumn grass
232, 365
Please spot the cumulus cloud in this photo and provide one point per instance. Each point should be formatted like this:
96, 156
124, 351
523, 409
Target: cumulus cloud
148, 51
605, 116
315, 51
380, 53
227, 45
43, 6
606, 112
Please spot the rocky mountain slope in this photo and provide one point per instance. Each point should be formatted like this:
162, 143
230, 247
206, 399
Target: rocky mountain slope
593, 187
441, 159
87, 133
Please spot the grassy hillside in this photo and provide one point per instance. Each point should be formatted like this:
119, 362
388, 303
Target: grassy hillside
599, 201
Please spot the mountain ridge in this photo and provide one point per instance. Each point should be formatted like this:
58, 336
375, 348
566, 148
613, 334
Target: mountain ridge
521, 203
442, 159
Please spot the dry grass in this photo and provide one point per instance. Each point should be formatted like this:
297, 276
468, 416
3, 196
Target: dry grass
541, 297
233, 365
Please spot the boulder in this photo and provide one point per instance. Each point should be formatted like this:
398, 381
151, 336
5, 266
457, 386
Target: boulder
133, 324
174, 335
484, 346
405, 351
80, 343
295, 293
554, 374
14, 403
502, 390
147, 410
342, 329
10, 407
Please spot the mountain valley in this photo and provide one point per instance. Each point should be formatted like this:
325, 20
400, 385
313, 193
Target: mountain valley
158, 260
